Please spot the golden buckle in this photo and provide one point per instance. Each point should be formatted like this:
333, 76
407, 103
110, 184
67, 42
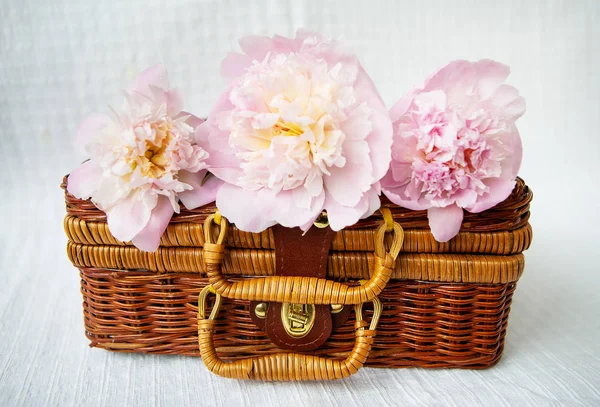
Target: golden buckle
298, 319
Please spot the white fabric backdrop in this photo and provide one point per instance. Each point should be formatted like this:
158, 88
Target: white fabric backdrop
61, 60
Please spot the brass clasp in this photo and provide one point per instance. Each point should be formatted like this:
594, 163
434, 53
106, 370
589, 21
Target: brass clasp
202, 303
298, 319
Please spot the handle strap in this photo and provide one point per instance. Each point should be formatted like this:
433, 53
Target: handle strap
284, 366
301, 290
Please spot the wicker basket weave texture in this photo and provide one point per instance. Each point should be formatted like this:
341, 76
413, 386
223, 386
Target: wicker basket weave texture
447, 304
423, 324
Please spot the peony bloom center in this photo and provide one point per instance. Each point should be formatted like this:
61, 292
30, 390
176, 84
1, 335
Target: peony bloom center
285, 123
455, 153
146, 156
154, 161
289, 129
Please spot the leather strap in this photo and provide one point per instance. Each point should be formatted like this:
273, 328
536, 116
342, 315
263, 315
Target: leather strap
304, 255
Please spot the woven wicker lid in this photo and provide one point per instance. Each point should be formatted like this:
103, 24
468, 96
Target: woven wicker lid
503, 229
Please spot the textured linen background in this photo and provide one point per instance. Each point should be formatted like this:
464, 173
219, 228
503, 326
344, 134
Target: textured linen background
63, 59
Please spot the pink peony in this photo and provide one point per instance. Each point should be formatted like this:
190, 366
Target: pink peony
456, 144
142, 161
300, 129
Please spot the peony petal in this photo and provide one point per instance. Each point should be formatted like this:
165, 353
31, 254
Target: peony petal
88, 131
395, 189
465, 197
395, 195
309, 224
302, 197
174, 99
254, 211
341, 216
264, 120
200, 195
507, 104
366, 91
357, 173
222, 157
234, 65
148, 239
192, 120
500, 189
381, 135
285, 211
111, 190
380, 143
490, 74
255, 46
284, 45
401, 172
357, 125
445, 222
130, 215
401, 106
450, 76
154, 76
243, 208
373, 199
222, 160
226, 173
223, 104
203, 133
85, 180
511, 141
458, 80
427, 100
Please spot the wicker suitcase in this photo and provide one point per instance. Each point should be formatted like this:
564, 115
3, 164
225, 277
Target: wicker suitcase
445, 304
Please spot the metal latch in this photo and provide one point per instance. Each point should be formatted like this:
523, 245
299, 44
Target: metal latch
298, 319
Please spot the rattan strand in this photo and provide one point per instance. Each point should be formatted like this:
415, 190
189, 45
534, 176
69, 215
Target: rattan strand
415, 241
511, 214
424, 324
451, 268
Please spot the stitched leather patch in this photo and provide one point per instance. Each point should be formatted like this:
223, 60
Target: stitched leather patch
305, 255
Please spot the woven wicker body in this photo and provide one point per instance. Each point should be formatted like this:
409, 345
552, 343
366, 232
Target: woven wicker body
446, 304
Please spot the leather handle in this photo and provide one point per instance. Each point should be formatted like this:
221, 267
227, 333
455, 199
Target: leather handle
301, 290
285, 366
